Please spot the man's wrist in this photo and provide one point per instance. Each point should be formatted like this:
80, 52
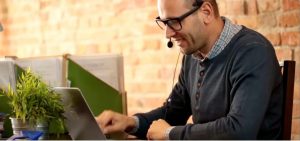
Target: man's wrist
167, 133
133, 125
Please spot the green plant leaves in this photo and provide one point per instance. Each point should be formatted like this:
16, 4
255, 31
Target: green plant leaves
35, 101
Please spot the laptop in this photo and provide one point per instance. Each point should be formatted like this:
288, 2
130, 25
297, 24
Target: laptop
80, 121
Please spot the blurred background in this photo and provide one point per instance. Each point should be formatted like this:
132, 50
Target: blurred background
88, 27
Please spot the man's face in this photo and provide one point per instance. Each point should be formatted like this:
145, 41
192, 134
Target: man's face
191, 37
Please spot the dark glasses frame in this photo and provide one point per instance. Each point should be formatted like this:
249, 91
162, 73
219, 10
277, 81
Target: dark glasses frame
170, 22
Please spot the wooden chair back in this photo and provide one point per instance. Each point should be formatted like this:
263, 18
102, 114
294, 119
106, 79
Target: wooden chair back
288, 71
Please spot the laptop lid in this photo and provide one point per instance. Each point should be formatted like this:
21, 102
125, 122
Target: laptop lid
80, 121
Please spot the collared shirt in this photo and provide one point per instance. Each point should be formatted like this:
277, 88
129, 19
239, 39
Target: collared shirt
227, 34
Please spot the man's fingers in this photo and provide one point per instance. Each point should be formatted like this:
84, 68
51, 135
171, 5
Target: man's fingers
148, 136
149, 133
104, 119
110, 122
111, 129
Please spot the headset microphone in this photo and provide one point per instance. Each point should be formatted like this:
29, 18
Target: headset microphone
170, 44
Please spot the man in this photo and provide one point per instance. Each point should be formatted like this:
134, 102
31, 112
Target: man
230, 81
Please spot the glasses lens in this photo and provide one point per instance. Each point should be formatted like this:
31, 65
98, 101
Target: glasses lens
173, 23
161, 24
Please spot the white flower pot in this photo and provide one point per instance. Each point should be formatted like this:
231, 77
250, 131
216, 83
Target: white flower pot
44, 127
18, 125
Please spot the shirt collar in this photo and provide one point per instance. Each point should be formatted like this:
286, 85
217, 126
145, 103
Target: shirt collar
227, 34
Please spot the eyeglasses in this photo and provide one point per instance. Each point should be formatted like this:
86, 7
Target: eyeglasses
175, 23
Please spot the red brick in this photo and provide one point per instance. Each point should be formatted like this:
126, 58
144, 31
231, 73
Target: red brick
296, 109
139, 3
171, 55
290, 38
291, 4
297, 59
296, 126
166, 72
131, 60
150, 58
251, 7
297, 71
249, 21
295, 137
122, 6
153, 102
222, 7
147, 101
267, 21
152, 14
150, 3
235, 7
142, 86
131, 111
290, 19
152, 44
152, 29
268, 5
283, 53
297, 90
274, 38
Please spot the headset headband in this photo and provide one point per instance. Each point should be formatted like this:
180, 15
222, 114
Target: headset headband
198, 3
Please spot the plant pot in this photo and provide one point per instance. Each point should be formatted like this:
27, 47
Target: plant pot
44, 127
18, 125
2, 118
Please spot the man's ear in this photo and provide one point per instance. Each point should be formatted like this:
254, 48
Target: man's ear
208, 13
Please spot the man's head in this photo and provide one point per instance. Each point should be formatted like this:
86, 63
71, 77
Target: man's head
187, 22
190, 3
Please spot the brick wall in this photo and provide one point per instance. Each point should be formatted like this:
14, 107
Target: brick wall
52, 27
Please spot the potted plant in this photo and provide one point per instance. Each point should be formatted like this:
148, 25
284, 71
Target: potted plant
35, 105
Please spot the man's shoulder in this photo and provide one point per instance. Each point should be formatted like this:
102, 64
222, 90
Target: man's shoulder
249, 45
248, 37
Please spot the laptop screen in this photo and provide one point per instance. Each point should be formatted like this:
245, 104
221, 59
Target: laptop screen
80, 121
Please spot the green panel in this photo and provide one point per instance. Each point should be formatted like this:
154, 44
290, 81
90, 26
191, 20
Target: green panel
19, 71
5, 108
99, 95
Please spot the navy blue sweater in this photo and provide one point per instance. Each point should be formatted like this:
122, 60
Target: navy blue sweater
235, 95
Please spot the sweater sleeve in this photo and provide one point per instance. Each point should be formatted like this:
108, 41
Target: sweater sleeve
176, 110
252, 79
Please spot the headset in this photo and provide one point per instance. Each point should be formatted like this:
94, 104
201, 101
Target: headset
198, 3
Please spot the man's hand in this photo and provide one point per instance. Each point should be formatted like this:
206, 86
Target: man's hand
157, 130
111, 122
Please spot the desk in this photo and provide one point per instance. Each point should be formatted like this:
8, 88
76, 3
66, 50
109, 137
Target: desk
65, 136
